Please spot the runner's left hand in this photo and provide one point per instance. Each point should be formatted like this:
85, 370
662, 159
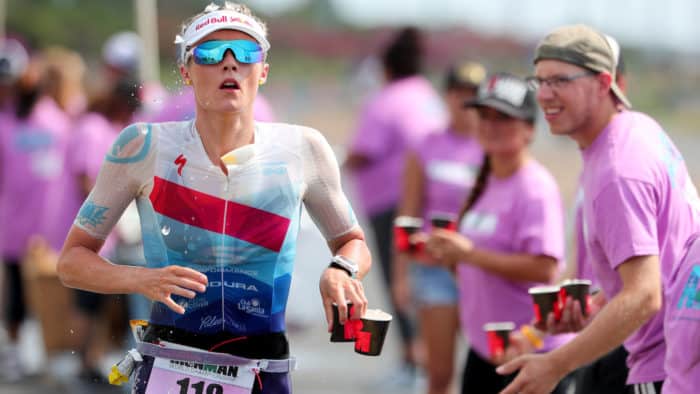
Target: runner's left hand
338, 287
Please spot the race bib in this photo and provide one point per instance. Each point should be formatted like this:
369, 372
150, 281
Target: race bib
186, 377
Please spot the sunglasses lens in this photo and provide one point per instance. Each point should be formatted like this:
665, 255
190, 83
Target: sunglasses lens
247, 51
208, 56
213, 52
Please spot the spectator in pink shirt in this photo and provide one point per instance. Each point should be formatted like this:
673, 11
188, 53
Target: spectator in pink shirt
510, 232
33, 179
439, 173
641, 220
395, 119
608, 374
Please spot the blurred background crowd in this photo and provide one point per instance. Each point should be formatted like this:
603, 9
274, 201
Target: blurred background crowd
73, 73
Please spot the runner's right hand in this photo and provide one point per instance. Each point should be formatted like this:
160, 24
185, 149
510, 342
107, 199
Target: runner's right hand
159, 284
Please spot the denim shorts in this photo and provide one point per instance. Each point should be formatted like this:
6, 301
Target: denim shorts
433, 286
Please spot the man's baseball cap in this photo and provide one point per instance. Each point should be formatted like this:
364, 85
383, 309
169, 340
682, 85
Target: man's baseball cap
585, 47
508, 94
465, 75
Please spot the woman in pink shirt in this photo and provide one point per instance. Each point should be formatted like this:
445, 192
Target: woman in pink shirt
510, 229
33, 179
395, 119
439, 174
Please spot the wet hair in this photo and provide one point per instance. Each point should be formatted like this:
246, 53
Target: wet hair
479, 187
404, 56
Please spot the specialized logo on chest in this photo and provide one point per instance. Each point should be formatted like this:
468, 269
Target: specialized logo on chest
481, 223
180, 201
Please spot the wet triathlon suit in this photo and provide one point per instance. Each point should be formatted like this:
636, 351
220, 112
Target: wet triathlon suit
240, 230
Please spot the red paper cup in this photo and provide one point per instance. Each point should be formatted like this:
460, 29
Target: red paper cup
578, 289
498, 334
343, 332
371, 332
404, 227
445, 221
546, 299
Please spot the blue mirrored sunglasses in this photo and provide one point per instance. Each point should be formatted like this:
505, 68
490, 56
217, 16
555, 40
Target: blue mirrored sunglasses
213, 52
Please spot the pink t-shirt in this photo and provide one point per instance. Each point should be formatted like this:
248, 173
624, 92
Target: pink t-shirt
584, 268
639, 201
181, 106
450, 164
520, 214
33, 179
394, 120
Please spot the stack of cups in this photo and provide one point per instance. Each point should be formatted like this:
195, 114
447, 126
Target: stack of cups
548, 299
442, 220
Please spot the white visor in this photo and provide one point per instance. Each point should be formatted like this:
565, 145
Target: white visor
222, 20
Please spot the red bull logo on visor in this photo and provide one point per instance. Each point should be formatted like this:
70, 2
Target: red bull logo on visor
222, 19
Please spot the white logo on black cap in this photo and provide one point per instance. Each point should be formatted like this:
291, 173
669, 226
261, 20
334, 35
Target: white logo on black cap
507, 89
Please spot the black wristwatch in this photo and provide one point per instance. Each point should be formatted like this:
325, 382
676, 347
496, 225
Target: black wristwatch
346, 265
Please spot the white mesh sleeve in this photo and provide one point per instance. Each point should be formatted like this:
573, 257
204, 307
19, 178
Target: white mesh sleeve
324, 198
126, 169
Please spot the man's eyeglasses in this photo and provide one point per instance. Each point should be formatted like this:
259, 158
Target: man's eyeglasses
557, 81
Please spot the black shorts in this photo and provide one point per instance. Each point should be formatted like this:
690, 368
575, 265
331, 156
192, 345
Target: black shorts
15, 303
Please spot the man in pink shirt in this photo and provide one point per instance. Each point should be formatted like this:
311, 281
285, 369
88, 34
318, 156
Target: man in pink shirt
640, 221
608, 374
